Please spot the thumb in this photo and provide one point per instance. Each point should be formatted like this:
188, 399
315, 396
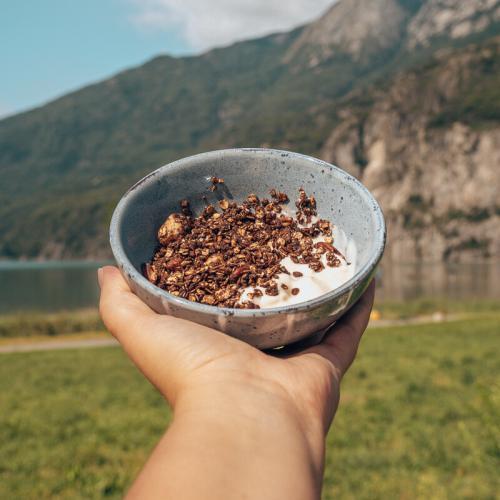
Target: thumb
164, 348
121, 310
149, 339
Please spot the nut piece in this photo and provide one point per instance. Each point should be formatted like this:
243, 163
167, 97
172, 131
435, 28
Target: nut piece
185, 207
239, 271
173, 263
279, 196
215, 180
256, 293
208, 299
323, 246
172, 229
316, 266
214, 260
272, 289
151, 273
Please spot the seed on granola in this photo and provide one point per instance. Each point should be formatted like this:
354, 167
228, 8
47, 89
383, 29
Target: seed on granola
185, 207
215, 181
279, 196
208, 211
297, 274
239, 271
173, 263
325, 247
295, 291
248, 304
316, 266
214, 260
151, 273
272, 289
208, 299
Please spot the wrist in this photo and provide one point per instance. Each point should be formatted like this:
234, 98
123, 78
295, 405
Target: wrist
263, 411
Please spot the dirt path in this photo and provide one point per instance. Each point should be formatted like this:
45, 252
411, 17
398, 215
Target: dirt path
56, 345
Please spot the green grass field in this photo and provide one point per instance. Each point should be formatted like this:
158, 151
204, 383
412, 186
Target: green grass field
418, 419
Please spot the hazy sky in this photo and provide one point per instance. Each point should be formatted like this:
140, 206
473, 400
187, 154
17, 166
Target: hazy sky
49, 47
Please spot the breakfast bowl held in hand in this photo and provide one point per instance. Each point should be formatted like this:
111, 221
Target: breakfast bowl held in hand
268, 246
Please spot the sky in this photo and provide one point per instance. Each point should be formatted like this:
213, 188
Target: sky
51, 47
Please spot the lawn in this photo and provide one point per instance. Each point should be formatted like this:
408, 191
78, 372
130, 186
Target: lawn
418, 419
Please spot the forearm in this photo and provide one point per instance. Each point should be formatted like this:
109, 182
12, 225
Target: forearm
230, 447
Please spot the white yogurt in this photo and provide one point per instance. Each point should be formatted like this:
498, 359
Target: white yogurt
312, 284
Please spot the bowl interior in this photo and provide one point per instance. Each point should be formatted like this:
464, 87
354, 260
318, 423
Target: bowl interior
340, 197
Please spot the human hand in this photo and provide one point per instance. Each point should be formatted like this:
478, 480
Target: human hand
203, 372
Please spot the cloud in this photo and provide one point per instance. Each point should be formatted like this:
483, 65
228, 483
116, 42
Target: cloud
213, 23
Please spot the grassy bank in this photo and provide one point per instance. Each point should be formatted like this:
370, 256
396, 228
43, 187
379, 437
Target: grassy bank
426, 306
65, 323
40, 324
418, 419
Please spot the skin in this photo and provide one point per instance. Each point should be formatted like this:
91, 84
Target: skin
246, 424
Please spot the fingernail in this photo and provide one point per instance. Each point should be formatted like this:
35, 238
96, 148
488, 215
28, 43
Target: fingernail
99, 277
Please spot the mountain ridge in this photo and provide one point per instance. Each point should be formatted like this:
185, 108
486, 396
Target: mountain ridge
65, 164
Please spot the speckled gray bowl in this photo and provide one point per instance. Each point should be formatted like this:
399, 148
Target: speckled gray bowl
341, 198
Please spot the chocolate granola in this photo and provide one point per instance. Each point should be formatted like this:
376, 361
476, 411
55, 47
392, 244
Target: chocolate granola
213, 257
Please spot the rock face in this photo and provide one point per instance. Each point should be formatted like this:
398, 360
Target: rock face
451, 18
438, 183
359, 28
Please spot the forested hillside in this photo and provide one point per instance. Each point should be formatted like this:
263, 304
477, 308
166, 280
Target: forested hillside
403, 93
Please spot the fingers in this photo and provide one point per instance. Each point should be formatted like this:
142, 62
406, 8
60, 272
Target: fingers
163, 347
341, 342
152, 341
129, 319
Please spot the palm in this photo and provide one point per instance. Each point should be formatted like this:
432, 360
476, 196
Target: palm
175, 354
308, 378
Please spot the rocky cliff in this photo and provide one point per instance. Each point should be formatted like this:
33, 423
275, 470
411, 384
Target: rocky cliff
434, 168
358, 28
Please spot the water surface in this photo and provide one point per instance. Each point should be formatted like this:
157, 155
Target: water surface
56, 286
48, 286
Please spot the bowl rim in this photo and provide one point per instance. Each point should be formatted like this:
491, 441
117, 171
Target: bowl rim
358, 277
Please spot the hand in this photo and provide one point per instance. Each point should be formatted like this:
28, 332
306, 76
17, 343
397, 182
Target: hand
205, 374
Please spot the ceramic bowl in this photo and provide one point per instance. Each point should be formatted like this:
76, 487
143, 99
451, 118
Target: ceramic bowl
340, 197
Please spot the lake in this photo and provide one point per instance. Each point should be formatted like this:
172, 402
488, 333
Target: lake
48, 286
56, 286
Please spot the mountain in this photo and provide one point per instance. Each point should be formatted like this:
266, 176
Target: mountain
428, 146
451, 19
355, 28
403, 93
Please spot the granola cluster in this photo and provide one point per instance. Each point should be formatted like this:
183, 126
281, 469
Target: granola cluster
213, 257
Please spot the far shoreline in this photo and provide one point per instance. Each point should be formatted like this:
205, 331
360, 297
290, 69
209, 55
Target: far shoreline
8, 264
